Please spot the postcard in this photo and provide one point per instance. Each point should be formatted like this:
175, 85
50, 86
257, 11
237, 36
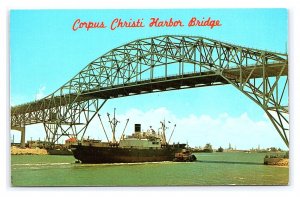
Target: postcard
162, 97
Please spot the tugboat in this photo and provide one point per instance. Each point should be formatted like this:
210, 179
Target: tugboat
148, 146
184, 156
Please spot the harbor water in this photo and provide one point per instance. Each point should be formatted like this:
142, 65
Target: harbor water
209, 169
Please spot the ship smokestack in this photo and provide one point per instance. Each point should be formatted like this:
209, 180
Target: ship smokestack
137, 127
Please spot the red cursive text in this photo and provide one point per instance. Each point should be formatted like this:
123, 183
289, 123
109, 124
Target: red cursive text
87, 25
208, 22
156, 22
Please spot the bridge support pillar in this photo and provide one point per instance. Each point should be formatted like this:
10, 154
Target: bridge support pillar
22, 130
23, 137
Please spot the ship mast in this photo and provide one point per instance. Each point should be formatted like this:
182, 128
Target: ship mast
103, 127
163, 126
113, 124
171, 134
124, 129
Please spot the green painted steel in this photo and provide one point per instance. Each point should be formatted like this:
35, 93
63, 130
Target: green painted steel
162, 63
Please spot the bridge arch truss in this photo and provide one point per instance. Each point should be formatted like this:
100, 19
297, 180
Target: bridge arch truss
162, 63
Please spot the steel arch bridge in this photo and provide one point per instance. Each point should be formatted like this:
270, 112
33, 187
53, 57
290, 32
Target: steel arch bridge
161, 63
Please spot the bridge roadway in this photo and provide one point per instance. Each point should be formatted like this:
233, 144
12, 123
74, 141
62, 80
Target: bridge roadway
188, 80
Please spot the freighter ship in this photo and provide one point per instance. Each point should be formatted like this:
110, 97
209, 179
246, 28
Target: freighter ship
147, 146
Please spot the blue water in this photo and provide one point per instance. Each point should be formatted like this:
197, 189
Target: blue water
209, 169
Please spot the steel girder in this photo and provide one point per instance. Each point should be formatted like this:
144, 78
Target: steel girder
164, 63
269, 92
72, 120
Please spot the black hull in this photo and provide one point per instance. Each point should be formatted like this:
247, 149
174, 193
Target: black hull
90, 154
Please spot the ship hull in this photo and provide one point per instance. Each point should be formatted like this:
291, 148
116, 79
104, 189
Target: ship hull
90, 154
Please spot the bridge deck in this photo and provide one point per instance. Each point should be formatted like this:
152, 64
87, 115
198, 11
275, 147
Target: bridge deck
188, 80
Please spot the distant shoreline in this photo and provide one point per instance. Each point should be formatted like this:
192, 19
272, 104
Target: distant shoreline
27, 151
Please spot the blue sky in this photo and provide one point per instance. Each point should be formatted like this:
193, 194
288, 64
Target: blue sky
45, 53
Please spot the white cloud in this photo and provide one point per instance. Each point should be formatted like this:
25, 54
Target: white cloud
241, 131
40, 94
